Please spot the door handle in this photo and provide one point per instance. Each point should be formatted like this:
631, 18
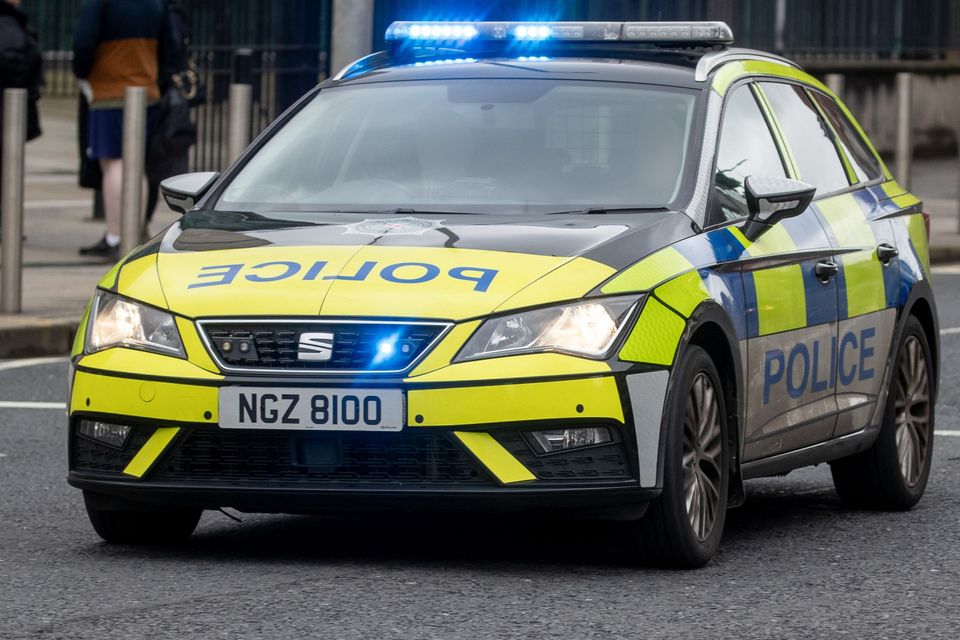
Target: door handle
887, 252
825, 270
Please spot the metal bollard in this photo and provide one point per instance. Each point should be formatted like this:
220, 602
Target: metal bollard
834, 82
134, 151
11, 202
904, 149
241, 105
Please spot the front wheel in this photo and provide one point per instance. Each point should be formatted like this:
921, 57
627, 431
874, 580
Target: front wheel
682, 527
892, 474
140, 526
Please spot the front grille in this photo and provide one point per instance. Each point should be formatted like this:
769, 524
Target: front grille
285, 458
604, 462
377, 347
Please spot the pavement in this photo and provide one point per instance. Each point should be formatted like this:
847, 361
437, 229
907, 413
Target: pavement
793, 563
57, 282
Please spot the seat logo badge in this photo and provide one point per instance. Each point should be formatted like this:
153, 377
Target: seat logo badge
315, 346
393, 226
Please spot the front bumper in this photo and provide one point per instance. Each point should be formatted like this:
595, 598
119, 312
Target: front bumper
178, 454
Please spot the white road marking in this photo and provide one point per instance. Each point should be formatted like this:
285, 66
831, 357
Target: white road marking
947, 270
947, 433
949, 331
30, 362
13, 404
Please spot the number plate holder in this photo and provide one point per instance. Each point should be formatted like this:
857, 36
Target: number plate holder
311, 409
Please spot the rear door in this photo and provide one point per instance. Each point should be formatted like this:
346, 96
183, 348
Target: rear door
861, 227
791, 313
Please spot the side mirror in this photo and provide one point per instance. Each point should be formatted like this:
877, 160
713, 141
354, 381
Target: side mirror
772, 199
184, 191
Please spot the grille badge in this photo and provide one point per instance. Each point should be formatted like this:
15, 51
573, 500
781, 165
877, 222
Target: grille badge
317, 347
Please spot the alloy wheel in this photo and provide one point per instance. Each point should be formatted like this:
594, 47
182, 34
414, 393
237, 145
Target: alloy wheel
912, 411
702, 456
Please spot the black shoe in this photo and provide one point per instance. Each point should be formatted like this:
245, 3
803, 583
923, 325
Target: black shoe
99, 249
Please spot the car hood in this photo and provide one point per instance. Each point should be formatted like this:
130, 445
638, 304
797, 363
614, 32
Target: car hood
446, 267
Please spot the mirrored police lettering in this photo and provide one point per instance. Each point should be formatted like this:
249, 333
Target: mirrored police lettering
818, 367
399, 272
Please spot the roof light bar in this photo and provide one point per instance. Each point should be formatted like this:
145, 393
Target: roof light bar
706, 33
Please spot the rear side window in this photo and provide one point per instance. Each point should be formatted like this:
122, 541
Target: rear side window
746, 148
864, 163
808, 136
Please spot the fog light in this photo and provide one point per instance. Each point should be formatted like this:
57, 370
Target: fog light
563, 439
114, 435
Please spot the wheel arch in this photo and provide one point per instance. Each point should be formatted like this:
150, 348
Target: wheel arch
920, 304
711, 329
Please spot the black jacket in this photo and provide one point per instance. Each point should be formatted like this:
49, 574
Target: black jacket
20, 62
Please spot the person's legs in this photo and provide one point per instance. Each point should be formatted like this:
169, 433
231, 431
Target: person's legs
112, 169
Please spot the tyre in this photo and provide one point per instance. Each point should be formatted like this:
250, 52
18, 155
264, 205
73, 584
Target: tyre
140, 526
893, 473
683, 526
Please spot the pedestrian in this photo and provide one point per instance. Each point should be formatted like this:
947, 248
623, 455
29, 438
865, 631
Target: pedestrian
117, 44
173, 132
20, 62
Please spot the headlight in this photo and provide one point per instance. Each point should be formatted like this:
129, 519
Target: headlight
118, 322
586, 328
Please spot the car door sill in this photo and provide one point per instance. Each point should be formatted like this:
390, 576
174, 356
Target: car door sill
814, 454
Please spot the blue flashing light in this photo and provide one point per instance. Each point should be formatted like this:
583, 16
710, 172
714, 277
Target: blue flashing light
532, 58
386, 349
531, 32
431, 32
430, 63
435, 31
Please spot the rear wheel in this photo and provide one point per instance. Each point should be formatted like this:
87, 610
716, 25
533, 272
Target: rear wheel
893, 473
682, 528
124, 525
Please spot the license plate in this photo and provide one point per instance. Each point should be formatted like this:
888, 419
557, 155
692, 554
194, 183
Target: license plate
316, 409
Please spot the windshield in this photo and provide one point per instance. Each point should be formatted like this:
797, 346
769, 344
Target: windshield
492, 146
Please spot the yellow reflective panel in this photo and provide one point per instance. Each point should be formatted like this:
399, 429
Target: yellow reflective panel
444, 352
595, 397
732, 71
918, 236
431, 282
139, 280
144, 398
145, 363
655, 337
109, 280
79, 340
572, 280
862, 270
150, 451
684, 293
781, 297
649, 272
532, 365
196, 351
494, 457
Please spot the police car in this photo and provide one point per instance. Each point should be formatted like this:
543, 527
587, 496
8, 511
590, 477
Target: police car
616, 268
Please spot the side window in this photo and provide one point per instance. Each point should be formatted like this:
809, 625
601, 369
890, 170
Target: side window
864, 163
808, 136
746, 148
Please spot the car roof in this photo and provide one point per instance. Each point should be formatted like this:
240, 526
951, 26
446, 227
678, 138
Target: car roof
663, 69
687, 68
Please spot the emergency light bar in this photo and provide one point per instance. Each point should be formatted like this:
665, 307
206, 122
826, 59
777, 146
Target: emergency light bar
454, 33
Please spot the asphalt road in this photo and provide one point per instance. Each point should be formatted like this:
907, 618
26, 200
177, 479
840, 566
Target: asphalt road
793, 563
